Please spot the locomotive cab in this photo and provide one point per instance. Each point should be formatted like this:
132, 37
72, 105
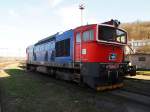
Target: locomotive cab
99, 43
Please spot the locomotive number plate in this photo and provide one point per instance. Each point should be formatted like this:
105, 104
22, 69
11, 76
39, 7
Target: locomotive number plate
113, 66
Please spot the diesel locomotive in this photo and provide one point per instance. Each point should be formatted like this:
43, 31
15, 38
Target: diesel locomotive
92, 54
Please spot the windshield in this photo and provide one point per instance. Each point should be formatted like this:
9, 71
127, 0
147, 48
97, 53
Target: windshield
111, 34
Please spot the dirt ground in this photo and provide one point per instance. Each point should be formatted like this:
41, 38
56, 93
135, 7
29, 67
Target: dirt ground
23, 91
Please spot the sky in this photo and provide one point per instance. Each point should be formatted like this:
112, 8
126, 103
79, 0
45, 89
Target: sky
24, 22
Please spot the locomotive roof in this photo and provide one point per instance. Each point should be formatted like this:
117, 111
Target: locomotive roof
47, 39
91, 25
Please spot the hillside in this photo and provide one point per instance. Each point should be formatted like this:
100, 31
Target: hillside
137, 30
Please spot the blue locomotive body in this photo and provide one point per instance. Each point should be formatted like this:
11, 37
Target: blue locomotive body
64, 47
44, 50
57, 48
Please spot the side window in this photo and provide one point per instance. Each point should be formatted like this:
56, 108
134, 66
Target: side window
88, 35
63, 48
121, 36
85, 35
91, 33
78, 37
142, 59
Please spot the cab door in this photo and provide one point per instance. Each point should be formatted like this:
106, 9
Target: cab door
78, 46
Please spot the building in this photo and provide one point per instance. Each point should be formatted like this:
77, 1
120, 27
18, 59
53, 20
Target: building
142, 61
135, 44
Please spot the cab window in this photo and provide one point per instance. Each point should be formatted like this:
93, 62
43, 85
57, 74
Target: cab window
111, 34
78, 37
88, 35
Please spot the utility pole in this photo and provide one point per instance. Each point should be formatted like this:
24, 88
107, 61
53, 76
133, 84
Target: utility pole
81, 7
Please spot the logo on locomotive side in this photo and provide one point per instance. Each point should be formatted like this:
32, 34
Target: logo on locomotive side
112, 56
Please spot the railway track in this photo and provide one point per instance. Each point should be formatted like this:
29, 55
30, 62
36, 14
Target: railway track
136, 91
134, 96
137, 86
131, 101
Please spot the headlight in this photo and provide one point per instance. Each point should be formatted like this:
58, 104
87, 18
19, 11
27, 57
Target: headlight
130, 64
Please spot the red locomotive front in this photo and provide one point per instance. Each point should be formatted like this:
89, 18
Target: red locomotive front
100, 43
99, 49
